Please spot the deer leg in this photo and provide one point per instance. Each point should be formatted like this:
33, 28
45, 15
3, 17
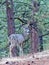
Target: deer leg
10, 51
20, 50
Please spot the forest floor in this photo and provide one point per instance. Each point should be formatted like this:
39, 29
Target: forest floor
40, 58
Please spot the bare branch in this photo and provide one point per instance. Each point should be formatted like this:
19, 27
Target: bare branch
46, 23
44, 34
20, 20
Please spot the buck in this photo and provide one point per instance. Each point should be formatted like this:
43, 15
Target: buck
16, 40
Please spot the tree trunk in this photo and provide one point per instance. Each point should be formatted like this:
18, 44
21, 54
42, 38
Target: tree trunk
10, 17
34, 29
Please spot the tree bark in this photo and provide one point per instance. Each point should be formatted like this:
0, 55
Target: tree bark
34, 29
10, 17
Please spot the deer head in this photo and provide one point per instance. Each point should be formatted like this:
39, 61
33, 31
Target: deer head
25, 29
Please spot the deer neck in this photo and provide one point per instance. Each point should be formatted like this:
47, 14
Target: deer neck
25, 35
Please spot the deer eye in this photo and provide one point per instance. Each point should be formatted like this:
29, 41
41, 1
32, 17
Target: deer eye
27, 30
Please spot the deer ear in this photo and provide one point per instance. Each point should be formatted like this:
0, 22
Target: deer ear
27, 25
28, 22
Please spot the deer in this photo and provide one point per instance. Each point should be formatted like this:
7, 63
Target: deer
17, 40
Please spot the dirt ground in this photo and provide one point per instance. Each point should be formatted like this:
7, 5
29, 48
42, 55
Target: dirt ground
41, 58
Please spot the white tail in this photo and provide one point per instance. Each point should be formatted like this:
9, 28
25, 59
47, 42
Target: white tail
17, 40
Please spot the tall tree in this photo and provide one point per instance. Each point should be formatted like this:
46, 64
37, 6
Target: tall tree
34, 29
10, 17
